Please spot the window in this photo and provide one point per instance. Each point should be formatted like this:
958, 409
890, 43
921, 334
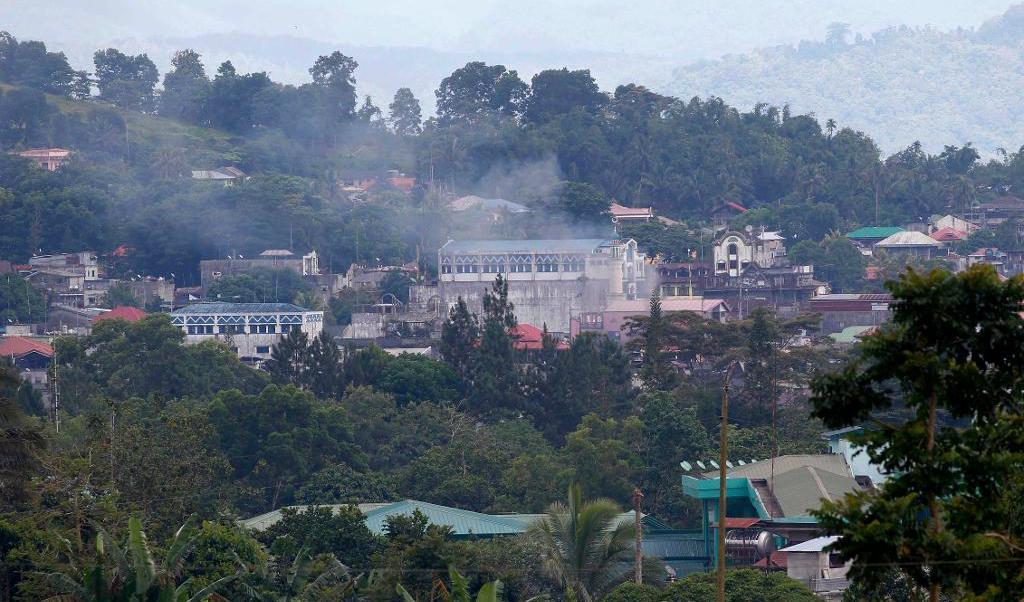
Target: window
264, 349
520, 263
547, 263
572, 263
446, 269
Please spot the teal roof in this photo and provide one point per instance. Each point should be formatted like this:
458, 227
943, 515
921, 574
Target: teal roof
464, 523
874, 232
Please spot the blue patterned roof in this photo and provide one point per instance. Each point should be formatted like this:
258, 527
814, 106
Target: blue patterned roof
542, 245
220, 307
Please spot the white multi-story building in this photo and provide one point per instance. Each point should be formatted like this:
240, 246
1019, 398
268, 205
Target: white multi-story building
550, 281
736, 250
251, 329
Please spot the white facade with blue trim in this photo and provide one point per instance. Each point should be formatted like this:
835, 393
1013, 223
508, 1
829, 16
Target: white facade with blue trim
251, 329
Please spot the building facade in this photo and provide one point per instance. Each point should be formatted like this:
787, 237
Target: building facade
50, 159
250, 329
271, 259
748, 270
550, 282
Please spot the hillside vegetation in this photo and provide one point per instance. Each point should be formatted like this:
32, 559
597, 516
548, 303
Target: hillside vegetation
901, 84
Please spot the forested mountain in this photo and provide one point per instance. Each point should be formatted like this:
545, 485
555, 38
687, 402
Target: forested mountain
901, 84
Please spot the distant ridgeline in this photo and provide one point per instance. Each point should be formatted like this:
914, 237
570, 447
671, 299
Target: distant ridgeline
900, 84
191, 165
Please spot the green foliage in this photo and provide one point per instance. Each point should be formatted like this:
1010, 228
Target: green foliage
633, 592
342, 484
415, 378
120, 295
132, 573
260, 285
20, 301
321, 530
952, 352
583, 545
28, 63
276, 439
20, 444
743, 585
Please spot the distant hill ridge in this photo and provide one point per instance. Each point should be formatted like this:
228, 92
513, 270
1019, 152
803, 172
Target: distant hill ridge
901, 84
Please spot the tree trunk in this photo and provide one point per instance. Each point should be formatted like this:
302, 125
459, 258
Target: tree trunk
933, 504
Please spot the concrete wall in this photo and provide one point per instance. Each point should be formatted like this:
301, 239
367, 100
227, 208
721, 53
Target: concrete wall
537, 302
805, 566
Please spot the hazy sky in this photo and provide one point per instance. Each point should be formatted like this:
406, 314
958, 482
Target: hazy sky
683, 29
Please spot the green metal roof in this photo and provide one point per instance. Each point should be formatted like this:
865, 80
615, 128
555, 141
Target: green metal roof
874, 232
464, 523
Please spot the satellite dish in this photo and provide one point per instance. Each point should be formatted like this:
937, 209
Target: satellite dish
701, 466
713, 464
686, 466
728, 463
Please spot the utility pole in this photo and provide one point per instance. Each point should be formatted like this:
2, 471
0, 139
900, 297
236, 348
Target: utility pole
722, 458
638, 534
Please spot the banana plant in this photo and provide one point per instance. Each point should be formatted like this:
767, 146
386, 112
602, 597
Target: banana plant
132, 574
489, 592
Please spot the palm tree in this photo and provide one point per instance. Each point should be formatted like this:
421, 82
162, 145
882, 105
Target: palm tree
19, 443
585, 547
135, 574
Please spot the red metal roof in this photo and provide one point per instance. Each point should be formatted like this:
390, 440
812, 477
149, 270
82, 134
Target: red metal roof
737, 523
15, 346
779, 560
529, 337
121, 312
948, 234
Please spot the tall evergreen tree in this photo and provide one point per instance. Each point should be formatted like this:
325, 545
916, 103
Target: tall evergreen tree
288, 359
185, 86
496, 384
405, 116
459, 337
657, 371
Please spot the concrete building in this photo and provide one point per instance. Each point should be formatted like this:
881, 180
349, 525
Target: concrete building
771, 501
748, 270
50, 159
550, 281
225, 175
84, 263
630, 215
841, 311
910, 243
812, 564
612, 321
31, 357
251, 329
735, 251
273, 259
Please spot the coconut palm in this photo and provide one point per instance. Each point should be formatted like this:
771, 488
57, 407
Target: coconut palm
585, 547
